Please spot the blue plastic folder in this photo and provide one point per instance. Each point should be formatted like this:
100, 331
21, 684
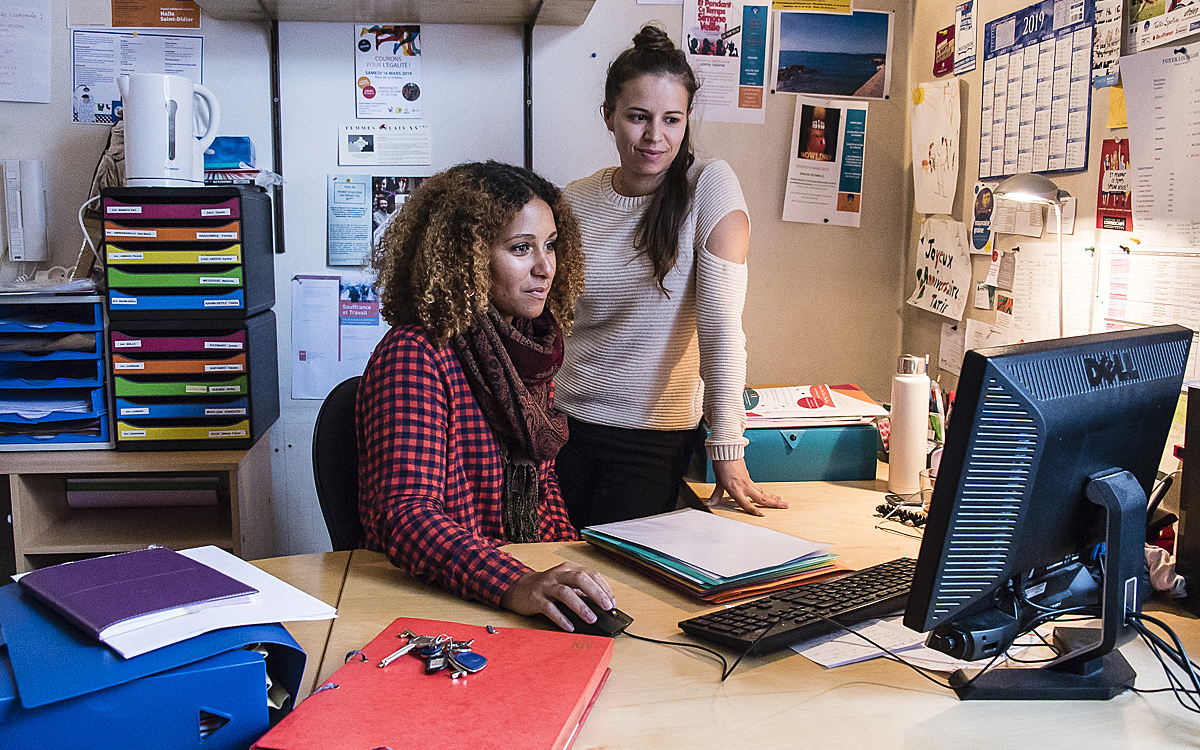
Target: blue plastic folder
58, 685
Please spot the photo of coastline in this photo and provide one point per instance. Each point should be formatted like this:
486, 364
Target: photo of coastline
833, 55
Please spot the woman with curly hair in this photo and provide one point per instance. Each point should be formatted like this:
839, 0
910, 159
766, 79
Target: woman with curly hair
457, 431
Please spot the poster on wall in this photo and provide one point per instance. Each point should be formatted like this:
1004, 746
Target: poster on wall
358, 207
1162, 87
936, 114
98, 57
943, 268
965, 31
1154, 23
134, 14
943, 51
726, 44
825, 164
348, 204
833, 55
1036, 95
1114, 198
335, 326
25, 53
1106, 42
383, 144
388, 194
387, 71
982, 208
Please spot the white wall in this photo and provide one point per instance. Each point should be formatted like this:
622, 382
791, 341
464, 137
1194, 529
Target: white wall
922, 329
472, 83
235, 61
824, 302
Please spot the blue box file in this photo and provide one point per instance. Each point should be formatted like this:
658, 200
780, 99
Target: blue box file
829, 454
126, 409
59, 688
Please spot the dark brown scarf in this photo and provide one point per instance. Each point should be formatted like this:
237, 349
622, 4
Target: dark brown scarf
510, 369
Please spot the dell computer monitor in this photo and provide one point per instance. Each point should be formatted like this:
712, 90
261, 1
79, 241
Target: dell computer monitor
1040, 506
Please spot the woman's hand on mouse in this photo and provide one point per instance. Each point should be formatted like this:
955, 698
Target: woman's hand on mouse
544, 592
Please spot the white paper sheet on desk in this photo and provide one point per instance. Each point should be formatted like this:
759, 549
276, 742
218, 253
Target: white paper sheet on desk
839, 648
277, 602
715, 544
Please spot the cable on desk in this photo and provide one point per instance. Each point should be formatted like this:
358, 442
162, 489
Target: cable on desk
1173, 651
724, 664
926, 673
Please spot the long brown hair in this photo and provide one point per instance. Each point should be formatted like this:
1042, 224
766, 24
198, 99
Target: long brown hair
433, 262
653, 53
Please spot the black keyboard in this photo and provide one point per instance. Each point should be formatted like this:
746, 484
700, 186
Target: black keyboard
871, 592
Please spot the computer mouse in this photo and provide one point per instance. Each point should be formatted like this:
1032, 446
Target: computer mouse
609, 622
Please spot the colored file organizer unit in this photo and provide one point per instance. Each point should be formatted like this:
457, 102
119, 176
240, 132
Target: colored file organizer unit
188, 252
534, 694
190, 285
194, 384
52, 393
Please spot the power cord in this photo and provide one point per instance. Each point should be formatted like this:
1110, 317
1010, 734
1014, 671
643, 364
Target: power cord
727, 669
1186, 696
1162, 650
87, 238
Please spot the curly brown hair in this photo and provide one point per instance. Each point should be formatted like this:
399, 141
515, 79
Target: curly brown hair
433, 262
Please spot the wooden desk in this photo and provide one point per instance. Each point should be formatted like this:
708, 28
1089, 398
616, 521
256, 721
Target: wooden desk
663, 697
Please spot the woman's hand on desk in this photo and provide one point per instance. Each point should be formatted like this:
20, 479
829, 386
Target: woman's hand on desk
544, 592
733, 479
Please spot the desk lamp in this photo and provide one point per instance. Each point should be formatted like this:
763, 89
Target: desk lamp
1040, 191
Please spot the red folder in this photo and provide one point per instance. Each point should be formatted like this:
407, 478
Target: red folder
534, 693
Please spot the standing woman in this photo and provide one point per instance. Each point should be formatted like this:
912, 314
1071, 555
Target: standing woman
658, 339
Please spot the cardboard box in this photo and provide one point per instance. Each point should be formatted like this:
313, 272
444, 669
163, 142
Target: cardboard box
803, 454
59, 688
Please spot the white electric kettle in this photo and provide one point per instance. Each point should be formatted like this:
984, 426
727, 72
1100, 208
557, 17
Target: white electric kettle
161, 147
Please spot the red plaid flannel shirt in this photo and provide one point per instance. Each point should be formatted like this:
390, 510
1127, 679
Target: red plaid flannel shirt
430, 477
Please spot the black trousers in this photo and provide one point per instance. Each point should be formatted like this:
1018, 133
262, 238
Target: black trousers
614, 474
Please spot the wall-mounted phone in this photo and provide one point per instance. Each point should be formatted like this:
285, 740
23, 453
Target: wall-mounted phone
25, 209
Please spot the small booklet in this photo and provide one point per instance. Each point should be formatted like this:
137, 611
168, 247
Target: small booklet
115, 594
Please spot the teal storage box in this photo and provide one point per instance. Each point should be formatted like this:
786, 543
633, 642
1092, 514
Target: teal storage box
60, 688
803, 454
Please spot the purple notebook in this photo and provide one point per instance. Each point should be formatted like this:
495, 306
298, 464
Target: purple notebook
118, 593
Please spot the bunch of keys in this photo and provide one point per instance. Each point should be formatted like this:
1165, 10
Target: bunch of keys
439, 652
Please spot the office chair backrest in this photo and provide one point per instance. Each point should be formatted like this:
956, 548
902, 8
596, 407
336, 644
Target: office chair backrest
335, 465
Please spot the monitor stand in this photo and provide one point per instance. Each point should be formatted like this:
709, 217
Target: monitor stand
1090, 667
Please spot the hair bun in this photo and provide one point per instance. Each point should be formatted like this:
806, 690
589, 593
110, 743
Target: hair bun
653, 39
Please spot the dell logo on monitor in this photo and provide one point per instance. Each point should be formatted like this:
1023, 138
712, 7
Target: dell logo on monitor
1109, 369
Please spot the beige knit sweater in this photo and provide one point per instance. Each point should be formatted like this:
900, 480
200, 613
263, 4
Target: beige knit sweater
641, 359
